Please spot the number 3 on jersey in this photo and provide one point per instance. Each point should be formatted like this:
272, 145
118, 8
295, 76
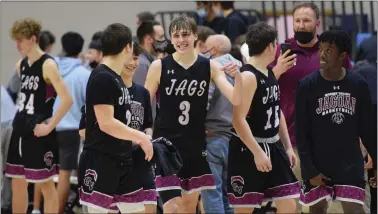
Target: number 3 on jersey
30, 104
276, 119
184, 117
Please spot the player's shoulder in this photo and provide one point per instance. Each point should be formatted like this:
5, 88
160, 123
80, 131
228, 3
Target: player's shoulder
140, 89
157, 63
49, 63
101, 74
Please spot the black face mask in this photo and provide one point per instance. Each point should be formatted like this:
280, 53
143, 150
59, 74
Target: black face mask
160, 46
93, 64
303, 37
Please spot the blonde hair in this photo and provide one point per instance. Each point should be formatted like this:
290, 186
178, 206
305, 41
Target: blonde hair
26, 28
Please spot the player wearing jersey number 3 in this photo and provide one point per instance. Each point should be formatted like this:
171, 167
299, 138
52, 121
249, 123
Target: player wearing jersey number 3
182, 81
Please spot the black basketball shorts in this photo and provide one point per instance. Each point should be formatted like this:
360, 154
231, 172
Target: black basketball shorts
333, 190
195, 175
107, 184
249, 187
33, 158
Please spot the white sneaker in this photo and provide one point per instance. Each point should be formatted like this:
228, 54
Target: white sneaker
36, 212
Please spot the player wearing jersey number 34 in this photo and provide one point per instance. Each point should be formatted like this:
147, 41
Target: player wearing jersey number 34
32, 154
182, 81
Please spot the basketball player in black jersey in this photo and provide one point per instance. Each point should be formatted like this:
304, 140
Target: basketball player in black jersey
105, 167
32, 154
182, 81
141, 119
259, 164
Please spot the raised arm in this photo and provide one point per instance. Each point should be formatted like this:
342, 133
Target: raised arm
232, 93
153, 78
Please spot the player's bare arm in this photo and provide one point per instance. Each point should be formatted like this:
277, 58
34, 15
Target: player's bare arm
111, 126
82, 133
52, 76
18, 64
153, 78
232, 93
241, 126
285, 139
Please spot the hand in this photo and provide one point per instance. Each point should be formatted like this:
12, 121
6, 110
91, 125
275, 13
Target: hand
373, 180
318, 180
262, 162
231, 69
369, 163
285, 62
146, 145
42, 129
292, 158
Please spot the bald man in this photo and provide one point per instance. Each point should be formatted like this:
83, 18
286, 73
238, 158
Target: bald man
218, 126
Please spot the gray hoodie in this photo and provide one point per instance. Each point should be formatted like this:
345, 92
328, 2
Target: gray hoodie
219, 115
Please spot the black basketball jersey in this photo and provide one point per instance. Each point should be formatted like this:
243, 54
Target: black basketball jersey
183, 96
105, 87
36, 97
264, 114
141, 112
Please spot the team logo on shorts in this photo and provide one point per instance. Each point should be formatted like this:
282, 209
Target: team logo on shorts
237, 183
90, 179
48, 158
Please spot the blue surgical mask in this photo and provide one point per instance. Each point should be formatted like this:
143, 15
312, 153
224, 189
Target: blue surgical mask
219, 14
201, 12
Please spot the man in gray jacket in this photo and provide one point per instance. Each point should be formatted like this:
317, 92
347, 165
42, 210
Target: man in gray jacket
218, 126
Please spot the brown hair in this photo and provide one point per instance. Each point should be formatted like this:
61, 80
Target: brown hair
183, 22
26, 28
203, 33
311, 5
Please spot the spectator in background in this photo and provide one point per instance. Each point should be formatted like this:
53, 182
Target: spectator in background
97, 35
305, 60
367, 68
209, 16
144, 17
203, 33
75, 75
235, 23
218, 126
236, 53
368, 49
240, 40
94, 54
149, 34
46, 42
8, 111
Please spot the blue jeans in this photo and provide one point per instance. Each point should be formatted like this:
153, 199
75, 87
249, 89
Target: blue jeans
216, 200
